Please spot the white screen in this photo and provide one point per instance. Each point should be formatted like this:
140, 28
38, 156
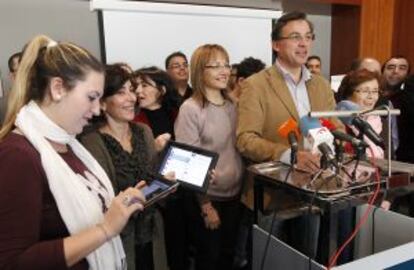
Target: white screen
188, 166
144, 34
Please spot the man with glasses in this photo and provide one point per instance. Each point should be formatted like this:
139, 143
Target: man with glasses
176, 65
287, 90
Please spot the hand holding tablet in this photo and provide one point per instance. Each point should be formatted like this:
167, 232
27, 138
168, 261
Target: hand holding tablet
190, 166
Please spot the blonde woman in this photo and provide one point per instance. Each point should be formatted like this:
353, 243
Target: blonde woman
57, 205
208, 120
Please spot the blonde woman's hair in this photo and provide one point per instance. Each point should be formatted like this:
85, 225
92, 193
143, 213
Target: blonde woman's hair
201, 56
42, 60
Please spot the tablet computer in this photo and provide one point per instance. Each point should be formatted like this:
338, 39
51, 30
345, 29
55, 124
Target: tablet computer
190, 164
158, 189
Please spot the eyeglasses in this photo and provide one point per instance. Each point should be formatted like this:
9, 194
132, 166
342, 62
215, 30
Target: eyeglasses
298, 38
219, 67
177, 66
366, 92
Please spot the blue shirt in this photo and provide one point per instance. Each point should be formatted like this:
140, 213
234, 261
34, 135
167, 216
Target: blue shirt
298, 90
299, 95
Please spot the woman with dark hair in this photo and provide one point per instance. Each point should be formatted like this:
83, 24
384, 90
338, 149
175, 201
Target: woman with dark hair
127, 152
58, 209
360, 90
208, 120
157, 106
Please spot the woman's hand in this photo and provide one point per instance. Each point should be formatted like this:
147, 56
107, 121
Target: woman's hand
386, 205
213, 177
122, 207
170, 176
211, 217
161, 141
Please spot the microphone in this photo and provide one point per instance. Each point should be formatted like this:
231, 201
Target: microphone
347, 105
339, 135
363, 126
293, 141
320, 139
289, 129
327, 153
315, 133
342, 136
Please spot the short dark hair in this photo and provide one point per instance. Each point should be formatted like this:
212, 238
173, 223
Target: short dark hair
171, 56
285, 19
115, 77
397, 57
249, 66
17, 55
314, 57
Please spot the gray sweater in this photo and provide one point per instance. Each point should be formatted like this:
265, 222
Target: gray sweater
213, 128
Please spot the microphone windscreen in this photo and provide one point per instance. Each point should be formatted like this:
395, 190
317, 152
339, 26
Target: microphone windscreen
347, 105
307, 123
288, 126
327, 123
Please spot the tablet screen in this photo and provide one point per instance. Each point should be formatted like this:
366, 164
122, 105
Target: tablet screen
191, 166
155, 187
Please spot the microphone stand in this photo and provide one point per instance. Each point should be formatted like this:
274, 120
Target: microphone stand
293, 160
389, 112
360, 155
293, 156
325, 164
339, 153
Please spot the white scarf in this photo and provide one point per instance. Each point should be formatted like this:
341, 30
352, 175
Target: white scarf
79, 206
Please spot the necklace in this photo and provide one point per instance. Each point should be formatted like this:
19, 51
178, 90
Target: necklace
217, 104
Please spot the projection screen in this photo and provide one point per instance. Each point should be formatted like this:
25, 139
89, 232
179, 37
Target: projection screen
144, 33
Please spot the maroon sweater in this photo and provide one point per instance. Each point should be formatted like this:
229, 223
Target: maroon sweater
31, 227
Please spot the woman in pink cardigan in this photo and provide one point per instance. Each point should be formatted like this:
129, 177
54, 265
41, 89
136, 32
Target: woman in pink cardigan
208, 120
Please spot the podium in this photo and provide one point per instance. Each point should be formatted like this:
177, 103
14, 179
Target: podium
392, 250
328, 196
279, 254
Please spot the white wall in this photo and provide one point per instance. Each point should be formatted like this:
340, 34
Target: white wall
268, 4
71, 20
68, 20
184, 28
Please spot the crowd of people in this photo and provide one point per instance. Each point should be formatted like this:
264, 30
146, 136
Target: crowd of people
79, 140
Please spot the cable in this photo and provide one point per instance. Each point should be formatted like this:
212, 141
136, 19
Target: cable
373, 223
310, 256
333, 259
373, 231
291, 168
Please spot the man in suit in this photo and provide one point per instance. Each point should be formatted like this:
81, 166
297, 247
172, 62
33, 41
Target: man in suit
271, 97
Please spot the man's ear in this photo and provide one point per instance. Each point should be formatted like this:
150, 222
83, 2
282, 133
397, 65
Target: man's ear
163, 90
57, 89
103, 105
275, 45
